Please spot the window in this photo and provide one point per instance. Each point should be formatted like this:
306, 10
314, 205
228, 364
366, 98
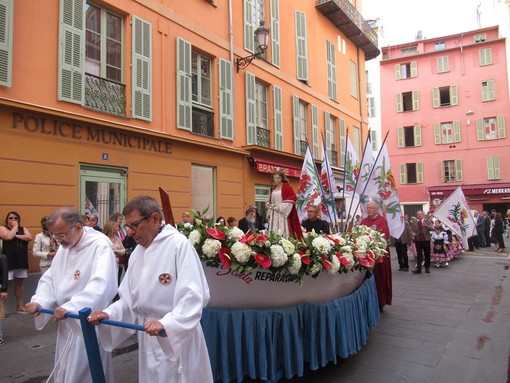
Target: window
356, 140
409, 136
409, 50
442, 64
354, 79
488, 93
261, 196
368, 83
254, 13
203, 188
343, 140
485, 56
202, 114
278, 118
373, 139
371, 106
452, 171
300, 122
440, 46
315, 130
406, 70
408, 101
490, 128
261, 114
103, 43
6, 24
480, 38
493, 168
447, 132
411, 173
445, 96
301, 46
331, 138
331, 63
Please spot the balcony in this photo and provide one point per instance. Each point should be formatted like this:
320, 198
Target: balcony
349, 21
104, 95
303, 145
263, 137
202, 122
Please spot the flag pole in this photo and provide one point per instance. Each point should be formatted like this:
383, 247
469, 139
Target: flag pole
324, 156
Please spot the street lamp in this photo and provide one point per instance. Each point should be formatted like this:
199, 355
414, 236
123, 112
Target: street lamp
468, 114
261, 37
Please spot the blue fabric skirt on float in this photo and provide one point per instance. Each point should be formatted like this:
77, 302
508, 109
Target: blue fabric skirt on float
275, 343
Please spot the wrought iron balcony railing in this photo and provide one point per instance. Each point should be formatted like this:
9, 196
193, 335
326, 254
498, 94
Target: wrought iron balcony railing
202, 122
263, 137
105, 95
303, 145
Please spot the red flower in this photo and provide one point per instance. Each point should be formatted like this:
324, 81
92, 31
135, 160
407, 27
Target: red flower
216, 233
261, 238
224, 257
304, 258
343, 260
263, 260
325, 262
332, 239
365, 261
248, 238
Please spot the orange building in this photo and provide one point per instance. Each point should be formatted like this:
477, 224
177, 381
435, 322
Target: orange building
103, 100
445, 105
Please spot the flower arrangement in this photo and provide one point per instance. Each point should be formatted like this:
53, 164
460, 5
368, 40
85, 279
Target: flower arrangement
219, 245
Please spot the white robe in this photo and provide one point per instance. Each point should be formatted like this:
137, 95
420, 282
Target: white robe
83, 276
164, 282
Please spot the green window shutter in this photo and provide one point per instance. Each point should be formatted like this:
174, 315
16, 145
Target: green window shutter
400, 137
417, 135
454, 98
443, 175
6, 24
403, 175
71, 77
329, 135
416, 100
331, 63
497, 170
226, 100
275, 32
436, 103
419, 173
398, 73
501, 126
343, 141
490, 168
485, 56
278, 117
437, 133
480, 136
439, 64
315, 131
456, 131
458, 171
183, 84
399, 103
301, 47
414, 69
491, 90
251, 123
142, 69
249, 39
295, 123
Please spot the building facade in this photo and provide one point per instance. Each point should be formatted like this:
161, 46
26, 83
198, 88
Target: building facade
445, 106
103, 100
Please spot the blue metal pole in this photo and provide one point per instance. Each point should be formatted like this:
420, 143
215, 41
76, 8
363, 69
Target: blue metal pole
92, 347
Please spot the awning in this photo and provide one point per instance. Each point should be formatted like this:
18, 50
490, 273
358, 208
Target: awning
475, 189
266, 164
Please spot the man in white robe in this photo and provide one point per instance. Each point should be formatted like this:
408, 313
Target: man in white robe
164, 289
83, 274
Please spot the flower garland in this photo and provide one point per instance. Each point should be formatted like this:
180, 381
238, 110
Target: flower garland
218, 245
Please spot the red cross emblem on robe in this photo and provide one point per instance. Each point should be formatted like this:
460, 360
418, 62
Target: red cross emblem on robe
77, 275
165, 279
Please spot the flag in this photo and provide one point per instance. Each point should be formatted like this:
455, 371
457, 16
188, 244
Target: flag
454, 213
352, 168
365, 169
309, 188
381, 187
328, 206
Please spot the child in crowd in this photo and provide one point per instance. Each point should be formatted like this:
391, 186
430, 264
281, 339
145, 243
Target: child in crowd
439, 240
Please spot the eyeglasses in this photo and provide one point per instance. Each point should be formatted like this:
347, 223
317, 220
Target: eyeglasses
61, 236
134, 225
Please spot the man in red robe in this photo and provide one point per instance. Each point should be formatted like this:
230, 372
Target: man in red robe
382, 270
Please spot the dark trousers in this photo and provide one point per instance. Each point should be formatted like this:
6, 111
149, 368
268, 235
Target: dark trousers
423, 251
403, 259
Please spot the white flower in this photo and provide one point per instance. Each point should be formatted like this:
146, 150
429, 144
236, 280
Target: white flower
341, 240
314, 270
267, 244
335, 265
187, 224
234, 233
211, 247
346, 249
296, 264
322, 244
241, 252
194, 237
278, 256
288, 247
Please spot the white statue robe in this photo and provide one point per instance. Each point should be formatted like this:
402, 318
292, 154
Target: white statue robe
83, 276
164, 281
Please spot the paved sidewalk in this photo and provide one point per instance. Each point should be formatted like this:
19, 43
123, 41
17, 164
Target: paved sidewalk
448, 326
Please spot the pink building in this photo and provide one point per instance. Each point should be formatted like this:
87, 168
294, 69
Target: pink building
445, 103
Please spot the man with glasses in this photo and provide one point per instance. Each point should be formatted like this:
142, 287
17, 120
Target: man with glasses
83, 274
165, 289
